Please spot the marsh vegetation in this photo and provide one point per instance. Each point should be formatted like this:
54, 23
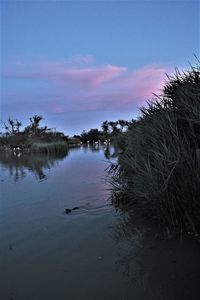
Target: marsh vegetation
159, 165
33, 138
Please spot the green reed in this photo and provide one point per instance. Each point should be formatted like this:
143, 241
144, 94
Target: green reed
159, 166
56, 147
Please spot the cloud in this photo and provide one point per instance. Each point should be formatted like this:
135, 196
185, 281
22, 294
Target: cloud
61, 73
79, 84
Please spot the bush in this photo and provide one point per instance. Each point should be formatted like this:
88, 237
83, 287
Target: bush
160, 166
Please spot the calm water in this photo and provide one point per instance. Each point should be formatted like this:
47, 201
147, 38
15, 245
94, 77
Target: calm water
93, 252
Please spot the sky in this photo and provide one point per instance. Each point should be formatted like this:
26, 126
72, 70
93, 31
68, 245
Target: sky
79, 63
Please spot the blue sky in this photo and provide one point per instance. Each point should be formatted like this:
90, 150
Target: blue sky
78, 63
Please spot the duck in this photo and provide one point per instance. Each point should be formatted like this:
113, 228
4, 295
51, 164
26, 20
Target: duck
69, 210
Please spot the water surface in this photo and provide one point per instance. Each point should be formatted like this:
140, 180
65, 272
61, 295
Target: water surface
94, 252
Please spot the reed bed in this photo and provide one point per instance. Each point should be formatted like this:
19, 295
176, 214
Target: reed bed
57, 147
159, 167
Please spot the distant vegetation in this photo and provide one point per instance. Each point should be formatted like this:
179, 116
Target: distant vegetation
159, 164
32, 138
109, 131
35, 138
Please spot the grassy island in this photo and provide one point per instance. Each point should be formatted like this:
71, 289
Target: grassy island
33, 138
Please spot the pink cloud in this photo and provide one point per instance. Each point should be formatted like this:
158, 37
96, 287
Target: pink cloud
80, 85
130, 89
91, 77
144, 81
94, 76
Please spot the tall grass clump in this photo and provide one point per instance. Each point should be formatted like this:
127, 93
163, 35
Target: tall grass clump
160, 165
57, 147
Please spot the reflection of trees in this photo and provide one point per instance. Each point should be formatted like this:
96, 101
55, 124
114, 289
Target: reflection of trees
129, 242
95, 148
18, 166
107, 152
111, 151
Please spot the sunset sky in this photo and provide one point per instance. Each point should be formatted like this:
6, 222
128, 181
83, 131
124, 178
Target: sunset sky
79, 63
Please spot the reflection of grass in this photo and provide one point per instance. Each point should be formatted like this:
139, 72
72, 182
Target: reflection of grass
151, 262
159, 166
49, 147
35, 164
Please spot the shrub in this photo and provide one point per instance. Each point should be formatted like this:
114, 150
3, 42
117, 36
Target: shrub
159, 168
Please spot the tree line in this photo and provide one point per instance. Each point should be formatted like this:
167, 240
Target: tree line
15, 134
110, 129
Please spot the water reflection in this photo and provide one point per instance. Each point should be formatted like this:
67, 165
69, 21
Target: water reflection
128, 238
19, 166
36, 232
154, 264
107, 152
110, 150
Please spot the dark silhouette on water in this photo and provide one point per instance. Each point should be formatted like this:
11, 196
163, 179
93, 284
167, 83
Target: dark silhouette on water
69, 210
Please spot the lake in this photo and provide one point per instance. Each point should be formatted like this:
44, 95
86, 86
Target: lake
95, 251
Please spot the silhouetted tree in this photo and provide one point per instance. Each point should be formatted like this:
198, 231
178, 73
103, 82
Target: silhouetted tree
33, 128
18, 125
105, 127
131, 123
122, 123
114, 128
35, 121
12, 126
